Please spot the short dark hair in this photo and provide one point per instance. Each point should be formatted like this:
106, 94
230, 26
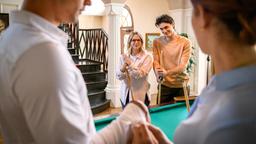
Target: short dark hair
164, 19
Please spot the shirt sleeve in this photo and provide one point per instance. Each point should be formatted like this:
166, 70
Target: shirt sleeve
120, 75
142, 69
49, 97
118, 131
53, 107
156, 54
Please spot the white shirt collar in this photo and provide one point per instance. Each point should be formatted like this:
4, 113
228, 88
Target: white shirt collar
29, 18
138, 55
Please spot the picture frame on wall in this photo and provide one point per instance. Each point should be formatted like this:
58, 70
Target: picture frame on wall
149, 40
4, 21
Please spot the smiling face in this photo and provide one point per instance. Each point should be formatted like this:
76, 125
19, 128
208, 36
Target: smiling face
136, 44
167, 29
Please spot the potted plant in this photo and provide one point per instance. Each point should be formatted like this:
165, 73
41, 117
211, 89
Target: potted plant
192, 60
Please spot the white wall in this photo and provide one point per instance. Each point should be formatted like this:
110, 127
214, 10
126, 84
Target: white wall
179, 4
89, 22
8, 5
145, 12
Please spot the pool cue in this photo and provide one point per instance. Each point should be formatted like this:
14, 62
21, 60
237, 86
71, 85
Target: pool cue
159, 93
129, 82
185, 90
160, 82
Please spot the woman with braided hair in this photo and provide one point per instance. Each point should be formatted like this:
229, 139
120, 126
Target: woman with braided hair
224, 113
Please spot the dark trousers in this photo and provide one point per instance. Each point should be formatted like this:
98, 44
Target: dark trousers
146, 102
168, 94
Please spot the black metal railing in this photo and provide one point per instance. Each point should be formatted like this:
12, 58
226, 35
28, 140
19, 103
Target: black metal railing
90, 44
72, 30
93, 46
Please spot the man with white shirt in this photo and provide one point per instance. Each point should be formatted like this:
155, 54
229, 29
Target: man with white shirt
43, 95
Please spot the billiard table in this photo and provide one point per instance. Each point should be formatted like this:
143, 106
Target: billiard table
166, 117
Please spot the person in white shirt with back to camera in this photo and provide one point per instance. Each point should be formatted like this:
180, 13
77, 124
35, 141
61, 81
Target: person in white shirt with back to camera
43, 95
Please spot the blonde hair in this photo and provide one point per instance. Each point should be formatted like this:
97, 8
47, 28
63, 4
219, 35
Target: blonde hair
132, 34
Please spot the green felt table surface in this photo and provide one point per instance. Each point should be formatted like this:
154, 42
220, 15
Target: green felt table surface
166, 117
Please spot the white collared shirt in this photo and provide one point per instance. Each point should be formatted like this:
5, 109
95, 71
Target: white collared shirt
138, 71
43, 97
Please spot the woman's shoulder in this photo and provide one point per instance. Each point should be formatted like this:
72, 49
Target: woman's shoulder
147, 54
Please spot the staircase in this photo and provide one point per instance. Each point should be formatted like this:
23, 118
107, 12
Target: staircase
89, 57
95, 79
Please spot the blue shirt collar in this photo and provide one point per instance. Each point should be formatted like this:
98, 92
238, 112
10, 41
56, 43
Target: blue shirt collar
234, 77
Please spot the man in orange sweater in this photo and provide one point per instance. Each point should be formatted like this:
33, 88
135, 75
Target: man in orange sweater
171, 54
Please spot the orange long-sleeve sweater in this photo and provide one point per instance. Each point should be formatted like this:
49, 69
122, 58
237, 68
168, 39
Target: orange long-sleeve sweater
173, 56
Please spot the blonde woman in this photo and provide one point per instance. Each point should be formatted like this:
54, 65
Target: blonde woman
133, 71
